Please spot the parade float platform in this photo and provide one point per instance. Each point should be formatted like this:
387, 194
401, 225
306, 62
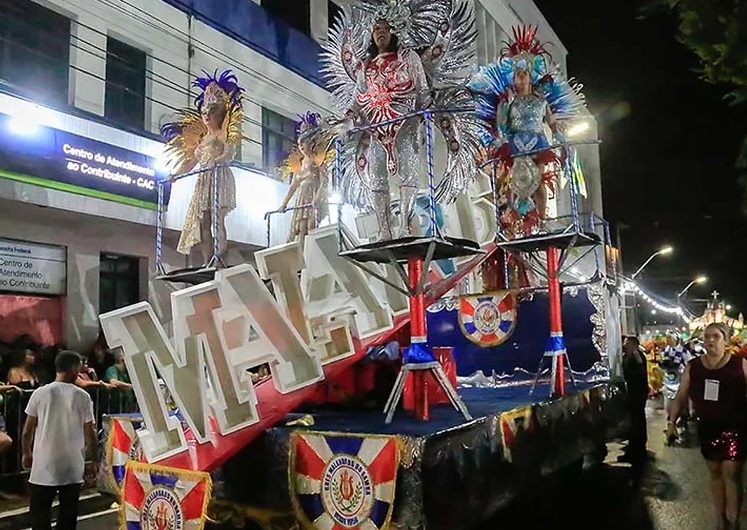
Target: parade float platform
452, 473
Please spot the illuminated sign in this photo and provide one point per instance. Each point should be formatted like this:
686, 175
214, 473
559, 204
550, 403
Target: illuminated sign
106, 166
61, 160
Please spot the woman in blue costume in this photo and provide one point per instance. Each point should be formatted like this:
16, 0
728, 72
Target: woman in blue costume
520, 98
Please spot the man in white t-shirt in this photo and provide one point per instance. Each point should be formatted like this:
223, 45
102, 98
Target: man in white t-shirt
59, 426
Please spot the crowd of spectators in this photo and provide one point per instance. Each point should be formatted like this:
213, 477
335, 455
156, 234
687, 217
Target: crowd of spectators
26, 366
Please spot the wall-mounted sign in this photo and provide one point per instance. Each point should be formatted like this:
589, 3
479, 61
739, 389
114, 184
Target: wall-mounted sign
32, 268
58, 159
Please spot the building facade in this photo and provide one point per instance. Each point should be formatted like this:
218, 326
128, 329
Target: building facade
84, 89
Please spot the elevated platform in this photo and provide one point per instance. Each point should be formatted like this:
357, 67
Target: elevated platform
452, 473
400, 250
561, 240
190, 275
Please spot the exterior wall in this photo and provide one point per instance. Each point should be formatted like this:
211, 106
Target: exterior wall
85, 238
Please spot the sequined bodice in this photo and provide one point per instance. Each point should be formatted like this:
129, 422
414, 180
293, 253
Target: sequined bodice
209, 149
527, 115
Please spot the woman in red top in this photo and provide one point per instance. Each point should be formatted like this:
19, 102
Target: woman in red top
717, 385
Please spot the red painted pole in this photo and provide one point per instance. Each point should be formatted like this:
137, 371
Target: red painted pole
418, 334
556, 345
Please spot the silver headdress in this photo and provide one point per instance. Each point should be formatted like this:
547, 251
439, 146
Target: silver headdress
415, 22
396, 14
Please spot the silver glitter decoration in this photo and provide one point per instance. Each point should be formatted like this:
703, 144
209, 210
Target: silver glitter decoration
444, 304
595, 293
440, 34
572, 290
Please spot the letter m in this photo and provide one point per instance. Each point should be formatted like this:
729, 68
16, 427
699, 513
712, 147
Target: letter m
222, 328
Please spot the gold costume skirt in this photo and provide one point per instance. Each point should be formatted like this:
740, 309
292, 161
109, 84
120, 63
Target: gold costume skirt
306, 217
202, 204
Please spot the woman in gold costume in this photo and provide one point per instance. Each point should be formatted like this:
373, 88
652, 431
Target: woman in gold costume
208, 137
307, 166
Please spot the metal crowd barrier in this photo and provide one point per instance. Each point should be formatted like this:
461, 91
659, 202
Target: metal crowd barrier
105, 401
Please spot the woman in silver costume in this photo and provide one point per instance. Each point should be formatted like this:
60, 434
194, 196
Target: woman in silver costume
391, 84
306, 166
384, 61
208, 137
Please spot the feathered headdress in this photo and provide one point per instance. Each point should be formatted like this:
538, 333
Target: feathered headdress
415, 22
310, 131
184, 135
525, 52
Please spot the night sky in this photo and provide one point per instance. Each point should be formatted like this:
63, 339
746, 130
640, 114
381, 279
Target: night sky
670, 143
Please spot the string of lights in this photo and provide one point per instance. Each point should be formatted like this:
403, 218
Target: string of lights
632, 287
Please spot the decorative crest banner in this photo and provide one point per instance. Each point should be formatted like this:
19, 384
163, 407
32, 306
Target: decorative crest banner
343, 481
122, 445
163, 498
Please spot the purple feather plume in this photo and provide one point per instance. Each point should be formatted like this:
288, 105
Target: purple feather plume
227, 81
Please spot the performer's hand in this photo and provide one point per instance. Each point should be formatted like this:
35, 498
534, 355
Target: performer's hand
345, 126
26, 461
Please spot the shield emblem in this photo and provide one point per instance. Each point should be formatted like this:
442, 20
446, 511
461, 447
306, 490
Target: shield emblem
340, 481
488, 319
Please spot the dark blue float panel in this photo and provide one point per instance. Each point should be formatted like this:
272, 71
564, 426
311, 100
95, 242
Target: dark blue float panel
525, 346
251, 25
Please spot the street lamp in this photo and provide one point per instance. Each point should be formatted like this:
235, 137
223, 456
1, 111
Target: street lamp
699, 279
661, 252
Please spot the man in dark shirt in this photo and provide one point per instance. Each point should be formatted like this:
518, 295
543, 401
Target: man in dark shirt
635, 371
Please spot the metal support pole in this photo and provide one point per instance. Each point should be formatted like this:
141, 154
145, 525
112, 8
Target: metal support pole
431, 177
555, 344
159, 230
216, 203
337, 185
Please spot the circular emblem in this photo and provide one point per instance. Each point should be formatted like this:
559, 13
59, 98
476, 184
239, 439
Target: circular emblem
525, 177
347, 491
136, 450
161, 511
487, 320
487, 317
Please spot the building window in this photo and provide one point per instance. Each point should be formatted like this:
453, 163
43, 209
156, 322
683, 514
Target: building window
125, 83
333, 11
298, 16
278, 137
119, 282
35, 50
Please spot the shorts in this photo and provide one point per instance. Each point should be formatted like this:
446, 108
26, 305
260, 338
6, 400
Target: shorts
719, 441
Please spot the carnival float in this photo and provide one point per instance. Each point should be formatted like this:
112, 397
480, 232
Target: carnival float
421, 356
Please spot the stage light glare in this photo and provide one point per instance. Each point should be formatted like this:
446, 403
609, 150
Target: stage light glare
23, 126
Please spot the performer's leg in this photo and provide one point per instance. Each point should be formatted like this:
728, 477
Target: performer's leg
540, 196
222, 234
383, 210
407, 197
206, 237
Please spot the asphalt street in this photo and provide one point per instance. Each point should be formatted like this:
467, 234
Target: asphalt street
669, 493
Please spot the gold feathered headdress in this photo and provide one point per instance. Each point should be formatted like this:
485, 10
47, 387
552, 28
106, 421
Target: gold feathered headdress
216, 92
318, 139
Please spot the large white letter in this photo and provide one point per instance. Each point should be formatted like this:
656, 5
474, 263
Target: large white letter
282, 265
336, 289
227, 325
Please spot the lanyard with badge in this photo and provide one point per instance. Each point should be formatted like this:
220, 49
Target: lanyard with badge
711, 388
